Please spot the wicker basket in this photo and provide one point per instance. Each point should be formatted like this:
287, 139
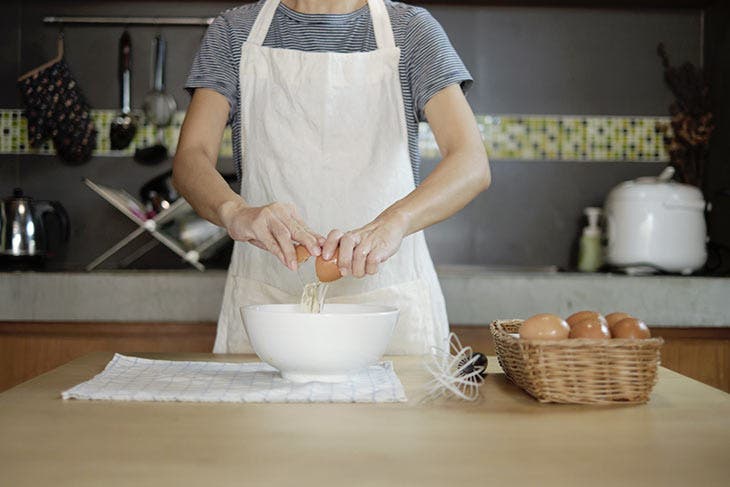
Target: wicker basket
578, 371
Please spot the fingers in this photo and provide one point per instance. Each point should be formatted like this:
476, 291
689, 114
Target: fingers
284, 240
287, 227
369, 254
375, 257
331, 243
303, 235
358, 253
359, 257
275, 228
270, 244
308, 239
367, 257
348, 242
258, 244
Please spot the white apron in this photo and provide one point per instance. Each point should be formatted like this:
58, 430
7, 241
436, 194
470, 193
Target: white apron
327, 132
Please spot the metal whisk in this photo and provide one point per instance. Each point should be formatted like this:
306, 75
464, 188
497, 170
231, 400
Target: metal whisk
456, 372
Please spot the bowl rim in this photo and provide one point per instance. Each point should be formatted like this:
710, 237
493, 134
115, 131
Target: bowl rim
383, 309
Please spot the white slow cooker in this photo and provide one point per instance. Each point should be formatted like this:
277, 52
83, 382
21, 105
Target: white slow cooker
655, 224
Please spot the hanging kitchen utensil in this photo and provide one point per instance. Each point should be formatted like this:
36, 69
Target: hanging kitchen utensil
124, 127
159, 107
56, 108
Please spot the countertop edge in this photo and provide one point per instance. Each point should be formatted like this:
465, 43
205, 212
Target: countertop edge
474, 296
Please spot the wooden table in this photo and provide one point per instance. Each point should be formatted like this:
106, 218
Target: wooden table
682, 437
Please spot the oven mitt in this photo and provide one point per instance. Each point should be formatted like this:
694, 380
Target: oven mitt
56, 108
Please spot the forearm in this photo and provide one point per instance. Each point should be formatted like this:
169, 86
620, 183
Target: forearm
459, 177
456, 180
197, 180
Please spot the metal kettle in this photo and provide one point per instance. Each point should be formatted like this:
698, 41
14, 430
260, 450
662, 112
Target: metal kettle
24, 229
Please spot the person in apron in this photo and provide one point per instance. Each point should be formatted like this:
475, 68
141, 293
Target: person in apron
325, 151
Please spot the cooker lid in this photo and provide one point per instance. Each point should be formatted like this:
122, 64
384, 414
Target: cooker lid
656, 189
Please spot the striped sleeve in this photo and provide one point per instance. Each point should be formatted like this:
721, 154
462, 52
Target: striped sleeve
433, 63
214, 66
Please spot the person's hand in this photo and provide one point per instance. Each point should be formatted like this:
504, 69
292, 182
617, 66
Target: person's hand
274, 228
361, 251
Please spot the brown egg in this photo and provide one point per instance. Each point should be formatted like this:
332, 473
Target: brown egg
590, 328
327, 270
630, 328
544, 326
613, 318
302, 253
582, 315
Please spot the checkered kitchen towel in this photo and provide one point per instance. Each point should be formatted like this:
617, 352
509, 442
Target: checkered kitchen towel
138, 379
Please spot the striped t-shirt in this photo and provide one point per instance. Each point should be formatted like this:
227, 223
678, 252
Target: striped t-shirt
428, 61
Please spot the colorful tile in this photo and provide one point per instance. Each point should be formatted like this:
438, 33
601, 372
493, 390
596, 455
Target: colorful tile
506, 137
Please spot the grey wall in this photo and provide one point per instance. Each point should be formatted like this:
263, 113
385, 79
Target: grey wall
524, 60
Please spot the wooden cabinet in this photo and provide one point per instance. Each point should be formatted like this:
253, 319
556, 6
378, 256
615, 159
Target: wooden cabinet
28, 349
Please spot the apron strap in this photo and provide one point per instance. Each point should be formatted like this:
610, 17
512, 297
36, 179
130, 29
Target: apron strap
263, 21
381, 23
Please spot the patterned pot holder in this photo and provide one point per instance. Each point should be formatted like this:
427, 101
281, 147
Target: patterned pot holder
55, 107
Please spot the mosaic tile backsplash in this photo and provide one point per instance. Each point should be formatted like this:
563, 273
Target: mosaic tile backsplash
506, 137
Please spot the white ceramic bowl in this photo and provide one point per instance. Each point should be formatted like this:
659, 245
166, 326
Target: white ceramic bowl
321, 347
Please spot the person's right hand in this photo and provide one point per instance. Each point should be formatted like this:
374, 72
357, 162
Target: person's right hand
274, 227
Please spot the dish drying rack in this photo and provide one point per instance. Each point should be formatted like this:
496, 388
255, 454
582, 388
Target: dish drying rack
155, 227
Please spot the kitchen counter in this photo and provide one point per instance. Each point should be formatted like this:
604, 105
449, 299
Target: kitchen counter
506, 438
474, 296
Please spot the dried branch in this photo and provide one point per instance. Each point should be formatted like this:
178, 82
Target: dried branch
692, 123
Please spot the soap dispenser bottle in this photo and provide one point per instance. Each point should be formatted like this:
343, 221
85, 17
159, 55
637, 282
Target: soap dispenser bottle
590, 252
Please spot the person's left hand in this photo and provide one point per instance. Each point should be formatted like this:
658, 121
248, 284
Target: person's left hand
364, 249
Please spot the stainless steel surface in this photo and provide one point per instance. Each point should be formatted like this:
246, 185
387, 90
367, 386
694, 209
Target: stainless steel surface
194, 21
124, 126
159, 106
22, 227
19, 232
159, 70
